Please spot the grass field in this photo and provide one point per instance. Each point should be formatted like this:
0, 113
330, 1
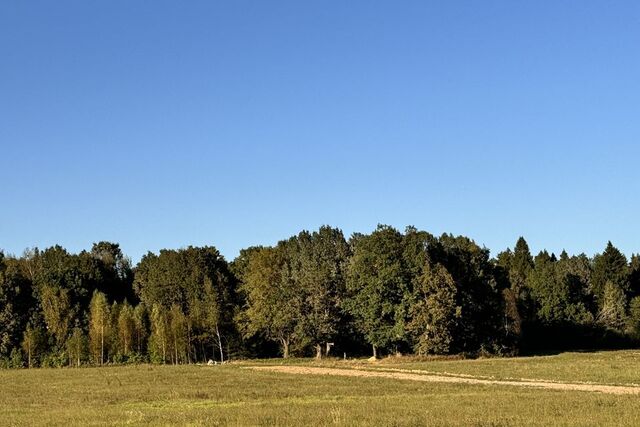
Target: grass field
235, 394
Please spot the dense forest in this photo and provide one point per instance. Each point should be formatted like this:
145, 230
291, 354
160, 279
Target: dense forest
315, 293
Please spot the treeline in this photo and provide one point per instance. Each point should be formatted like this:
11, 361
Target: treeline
315, 293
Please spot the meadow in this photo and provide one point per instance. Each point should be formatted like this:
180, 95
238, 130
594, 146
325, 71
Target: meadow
239, 394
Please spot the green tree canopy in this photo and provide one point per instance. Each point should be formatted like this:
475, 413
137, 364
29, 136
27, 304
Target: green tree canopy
610, 266
378, 287
434, 313
272, 301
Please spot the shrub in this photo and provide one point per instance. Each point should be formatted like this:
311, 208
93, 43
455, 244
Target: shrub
55, 360
15, 359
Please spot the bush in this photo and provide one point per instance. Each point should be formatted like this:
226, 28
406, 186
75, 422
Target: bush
136, 358
15, 359
119, 359
54, 360
129, 359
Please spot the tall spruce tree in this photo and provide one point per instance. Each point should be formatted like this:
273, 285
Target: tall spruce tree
521, 265
613, 309
610, 266
435, 312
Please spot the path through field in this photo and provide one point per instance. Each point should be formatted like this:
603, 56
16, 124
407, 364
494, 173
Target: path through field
430, 377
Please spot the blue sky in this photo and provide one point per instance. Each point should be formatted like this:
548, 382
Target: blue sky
162, 124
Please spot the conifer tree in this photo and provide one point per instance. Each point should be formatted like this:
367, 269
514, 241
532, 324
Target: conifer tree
434, 313
610, 266
613, 310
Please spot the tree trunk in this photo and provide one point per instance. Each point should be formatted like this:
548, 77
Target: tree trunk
220, 344
102, 343
318, 351
189, 343
285, 347
175, 346
329, 345
375, 351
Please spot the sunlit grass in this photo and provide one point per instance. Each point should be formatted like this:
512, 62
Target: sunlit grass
232, 395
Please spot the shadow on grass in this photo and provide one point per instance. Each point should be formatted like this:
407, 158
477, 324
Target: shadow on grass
538, 340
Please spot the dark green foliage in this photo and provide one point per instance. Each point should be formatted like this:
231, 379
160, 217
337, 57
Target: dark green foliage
557, 289
15, 303
521, 265
610, 266
634, 276
387, 290
634, 316
572, 277
613, 309
293, 292
15, 359
434, 313
378, 288
320, 274
113, 271
272, 304
198, 282
478, 295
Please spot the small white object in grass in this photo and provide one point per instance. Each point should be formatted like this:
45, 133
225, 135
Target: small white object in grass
210, 362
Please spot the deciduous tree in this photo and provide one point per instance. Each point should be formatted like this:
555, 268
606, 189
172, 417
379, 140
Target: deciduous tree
99, 327
378, 288
272, 301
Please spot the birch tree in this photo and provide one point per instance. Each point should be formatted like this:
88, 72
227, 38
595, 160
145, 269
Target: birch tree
99, 326
31, 343
159, 334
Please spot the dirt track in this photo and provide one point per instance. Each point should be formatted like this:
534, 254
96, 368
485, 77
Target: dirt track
412, 376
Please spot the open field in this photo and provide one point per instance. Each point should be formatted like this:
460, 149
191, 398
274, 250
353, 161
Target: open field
389, 392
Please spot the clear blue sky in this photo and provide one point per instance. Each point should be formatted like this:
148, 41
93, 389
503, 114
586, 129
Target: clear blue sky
162, 124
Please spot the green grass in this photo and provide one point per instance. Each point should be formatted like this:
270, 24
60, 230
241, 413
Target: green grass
233, 395
607, 367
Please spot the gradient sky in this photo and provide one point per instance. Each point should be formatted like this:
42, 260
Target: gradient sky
162, 124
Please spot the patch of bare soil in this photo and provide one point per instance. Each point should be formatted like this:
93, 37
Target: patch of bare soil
412, 376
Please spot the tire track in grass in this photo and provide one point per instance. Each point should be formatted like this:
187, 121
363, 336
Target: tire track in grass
409, 376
